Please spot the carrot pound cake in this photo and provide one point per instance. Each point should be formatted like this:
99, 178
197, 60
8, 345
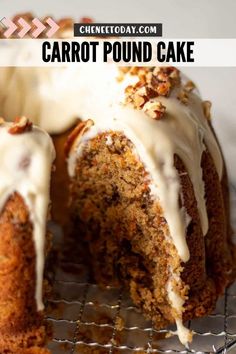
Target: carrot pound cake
148, 192
26, 160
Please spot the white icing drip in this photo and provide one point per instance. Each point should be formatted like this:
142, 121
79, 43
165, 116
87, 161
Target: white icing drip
177, 302
184, 334
26, 161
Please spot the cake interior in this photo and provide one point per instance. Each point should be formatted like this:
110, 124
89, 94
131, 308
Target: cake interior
128, 237
21, 325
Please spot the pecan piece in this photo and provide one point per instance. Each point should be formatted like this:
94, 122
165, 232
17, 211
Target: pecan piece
86, 20
173, 74
163, 89
20, 125
143, 95
138, 96
189, 86
76, 134
206, 105
183, 96
154, 109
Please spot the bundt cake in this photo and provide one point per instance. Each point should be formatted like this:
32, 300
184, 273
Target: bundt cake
148, 191
26, 158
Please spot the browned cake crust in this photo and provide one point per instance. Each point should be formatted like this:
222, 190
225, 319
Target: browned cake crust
126, 231
21, 325
60, 181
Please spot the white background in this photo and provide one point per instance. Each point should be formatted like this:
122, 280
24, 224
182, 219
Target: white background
181, 19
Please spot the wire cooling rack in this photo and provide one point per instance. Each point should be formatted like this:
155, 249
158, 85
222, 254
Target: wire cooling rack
87, 319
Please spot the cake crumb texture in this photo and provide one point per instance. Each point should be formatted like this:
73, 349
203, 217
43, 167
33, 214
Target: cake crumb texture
128, 236
21, 326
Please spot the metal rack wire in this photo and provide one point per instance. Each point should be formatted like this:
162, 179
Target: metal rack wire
87, 319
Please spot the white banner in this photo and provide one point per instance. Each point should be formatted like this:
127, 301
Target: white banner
131, 51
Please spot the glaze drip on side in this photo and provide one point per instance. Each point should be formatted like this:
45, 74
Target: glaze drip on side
26, 161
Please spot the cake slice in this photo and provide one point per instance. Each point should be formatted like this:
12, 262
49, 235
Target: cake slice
26, 158
146, 193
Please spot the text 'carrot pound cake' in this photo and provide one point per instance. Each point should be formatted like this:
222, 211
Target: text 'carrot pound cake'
148, 192
26, 158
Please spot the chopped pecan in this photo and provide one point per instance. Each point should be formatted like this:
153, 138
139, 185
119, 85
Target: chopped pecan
164, 79
142, 74
120, 76
167, 73
124, 69
156, 70
86, 20
139, 100
133, 70
154, 109
138, 96
153, 82
189, 86
173, 74
183, 96
142, 96
148, 78
76, 134
130, 91
162, 76
65, 23
129, 94
139, 71
163, 89
206, 105
20, 125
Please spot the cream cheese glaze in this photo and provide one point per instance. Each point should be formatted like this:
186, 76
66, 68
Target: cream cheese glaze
31, 180
49, 96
